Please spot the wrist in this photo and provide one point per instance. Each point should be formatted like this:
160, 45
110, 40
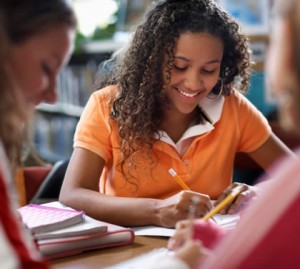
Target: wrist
154, 216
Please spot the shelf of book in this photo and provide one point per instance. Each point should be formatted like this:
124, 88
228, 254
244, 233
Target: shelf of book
55, 124
53, 135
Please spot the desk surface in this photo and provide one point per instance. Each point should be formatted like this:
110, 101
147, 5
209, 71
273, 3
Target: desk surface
109, 256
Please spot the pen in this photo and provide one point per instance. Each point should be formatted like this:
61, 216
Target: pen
178, 179
229, 198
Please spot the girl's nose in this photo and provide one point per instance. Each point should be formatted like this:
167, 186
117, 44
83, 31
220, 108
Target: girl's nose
194, 81
51, 93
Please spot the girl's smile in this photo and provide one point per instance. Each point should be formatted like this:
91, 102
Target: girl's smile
195, 70
186, 94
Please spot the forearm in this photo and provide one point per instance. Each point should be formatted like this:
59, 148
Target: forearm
119, 210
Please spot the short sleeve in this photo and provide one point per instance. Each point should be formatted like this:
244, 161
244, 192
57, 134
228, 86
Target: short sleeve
253, 126
93, 129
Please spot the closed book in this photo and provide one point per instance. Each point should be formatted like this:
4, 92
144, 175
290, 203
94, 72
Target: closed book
89, 226
41, 219
114, 235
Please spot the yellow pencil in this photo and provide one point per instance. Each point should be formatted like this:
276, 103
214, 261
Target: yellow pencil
178, 179
229, 198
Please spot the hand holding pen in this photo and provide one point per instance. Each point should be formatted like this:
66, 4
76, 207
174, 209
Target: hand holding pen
177, 207
199, 203
246, 194
231, 200
203, 229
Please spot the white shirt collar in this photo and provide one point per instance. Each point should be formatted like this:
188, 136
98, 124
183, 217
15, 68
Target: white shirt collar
213, 109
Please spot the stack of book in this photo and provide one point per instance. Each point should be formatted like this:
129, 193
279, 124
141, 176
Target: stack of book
60, 231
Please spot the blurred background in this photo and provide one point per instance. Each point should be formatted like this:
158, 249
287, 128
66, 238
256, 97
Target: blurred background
104, 26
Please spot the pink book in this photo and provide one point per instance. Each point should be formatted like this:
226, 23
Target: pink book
41, 219
67, 246
87, 235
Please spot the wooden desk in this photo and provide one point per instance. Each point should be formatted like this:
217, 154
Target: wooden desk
109, 256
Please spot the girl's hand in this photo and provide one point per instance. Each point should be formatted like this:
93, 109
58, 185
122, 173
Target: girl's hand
249, 193
181, 235
207, 232
191, 253
179, 206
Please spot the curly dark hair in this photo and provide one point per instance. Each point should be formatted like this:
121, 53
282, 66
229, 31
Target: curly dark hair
139, 107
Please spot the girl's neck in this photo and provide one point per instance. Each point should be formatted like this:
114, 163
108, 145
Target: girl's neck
175, 123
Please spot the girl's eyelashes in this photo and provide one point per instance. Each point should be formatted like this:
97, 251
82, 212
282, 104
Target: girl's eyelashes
209, 71
180, 68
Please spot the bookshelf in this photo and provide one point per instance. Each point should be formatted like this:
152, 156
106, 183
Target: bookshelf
55, 124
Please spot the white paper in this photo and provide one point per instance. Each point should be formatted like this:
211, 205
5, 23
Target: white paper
225, 221
153, 231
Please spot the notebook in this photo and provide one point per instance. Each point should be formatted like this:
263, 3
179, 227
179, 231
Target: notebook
41, 219
225, 221
81, 241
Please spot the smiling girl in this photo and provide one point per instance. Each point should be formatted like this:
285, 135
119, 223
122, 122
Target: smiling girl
177, 104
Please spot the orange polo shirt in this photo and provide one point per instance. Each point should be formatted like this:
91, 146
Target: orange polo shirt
203, 157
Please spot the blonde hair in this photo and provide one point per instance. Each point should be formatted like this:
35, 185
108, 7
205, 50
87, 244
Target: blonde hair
12, 109
20, 21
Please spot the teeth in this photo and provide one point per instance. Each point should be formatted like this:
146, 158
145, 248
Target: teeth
187, 94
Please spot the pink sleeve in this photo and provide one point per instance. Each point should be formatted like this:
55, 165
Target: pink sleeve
208, 232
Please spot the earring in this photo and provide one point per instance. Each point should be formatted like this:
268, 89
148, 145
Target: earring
211, 95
